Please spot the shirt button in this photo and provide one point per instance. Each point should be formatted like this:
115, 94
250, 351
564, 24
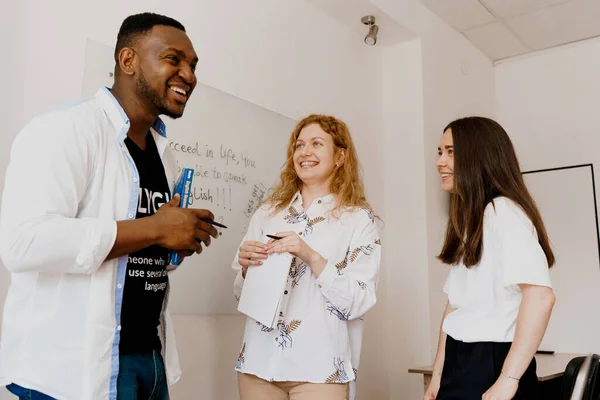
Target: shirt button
281, 314
135, 180
319, 201
319, 286
300, 233
120, 286
286, 292
119, 327
130, 215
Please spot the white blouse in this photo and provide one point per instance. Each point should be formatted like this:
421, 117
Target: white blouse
320, 326
486, 297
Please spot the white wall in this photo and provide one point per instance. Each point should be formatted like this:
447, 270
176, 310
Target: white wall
285, 56
457, 80
406, 335
8, 69
548, 102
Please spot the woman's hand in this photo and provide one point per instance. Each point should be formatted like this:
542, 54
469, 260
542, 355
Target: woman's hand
432, 389
251, 253
291, 243
504, 389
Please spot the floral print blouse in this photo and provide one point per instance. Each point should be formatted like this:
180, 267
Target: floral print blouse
319, 331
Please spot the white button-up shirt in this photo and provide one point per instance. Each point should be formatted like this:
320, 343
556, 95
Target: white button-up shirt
319, 333
70, 178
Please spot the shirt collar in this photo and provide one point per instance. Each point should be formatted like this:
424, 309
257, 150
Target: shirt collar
117, 115
327, 200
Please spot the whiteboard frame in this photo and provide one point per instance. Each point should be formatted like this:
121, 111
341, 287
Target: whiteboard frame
591, 167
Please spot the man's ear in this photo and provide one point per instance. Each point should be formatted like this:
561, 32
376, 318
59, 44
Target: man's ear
127, 60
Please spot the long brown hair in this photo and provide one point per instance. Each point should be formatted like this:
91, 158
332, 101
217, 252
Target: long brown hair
346, 185
485, 167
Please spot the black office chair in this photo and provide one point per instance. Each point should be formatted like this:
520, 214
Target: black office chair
592, 382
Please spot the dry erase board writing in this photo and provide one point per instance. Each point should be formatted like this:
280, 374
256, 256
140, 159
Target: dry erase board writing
236, 149
230, 155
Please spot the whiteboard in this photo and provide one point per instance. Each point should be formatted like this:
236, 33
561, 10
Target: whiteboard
237, 150
566, 201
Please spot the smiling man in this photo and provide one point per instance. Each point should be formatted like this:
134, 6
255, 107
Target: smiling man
87, 226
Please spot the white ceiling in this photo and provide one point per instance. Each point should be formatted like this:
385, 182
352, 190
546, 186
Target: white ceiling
507, 28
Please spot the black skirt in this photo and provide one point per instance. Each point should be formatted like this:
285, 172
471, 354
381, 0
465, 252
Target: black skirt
470, 369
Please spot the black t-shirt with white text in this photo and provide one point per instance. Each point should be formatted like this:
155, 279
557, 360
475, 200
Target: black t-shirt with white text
146, 277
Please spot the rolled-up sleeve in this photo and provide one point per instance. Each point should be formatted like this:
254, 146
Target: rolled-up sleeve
50, 164
350, 284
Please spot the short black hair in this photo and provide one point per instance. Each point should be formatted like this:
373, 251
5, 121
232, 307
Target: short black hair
140, 24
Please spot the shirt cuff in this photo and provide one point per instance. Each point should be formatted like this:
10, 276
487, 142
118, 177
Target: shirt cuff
327, 277
514, 282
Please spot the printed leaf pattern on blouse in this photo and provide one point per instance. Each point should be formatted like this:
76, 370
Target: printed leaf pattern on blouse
340, 375
294, 216
241, 360
292, 326
297, 270
343, 315
264, 328
311, 223
351, 256
366, 250
344, 263
285, 333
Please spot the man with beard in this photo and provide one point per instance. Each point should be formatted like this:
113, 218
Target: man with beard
87, 226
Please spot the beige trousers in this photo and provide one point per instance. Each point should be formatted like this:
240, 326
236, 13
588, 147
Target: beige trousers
254, 388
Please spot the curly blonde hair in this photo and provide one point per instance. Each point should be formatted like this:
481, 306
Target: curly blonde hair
346, 185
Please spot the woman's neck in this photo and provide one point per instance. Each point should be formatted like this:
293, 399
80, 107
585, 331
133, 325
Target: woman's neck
312, 192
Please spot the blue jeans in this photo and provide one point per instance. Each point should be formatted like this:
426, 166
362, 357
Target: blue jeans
141, 376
